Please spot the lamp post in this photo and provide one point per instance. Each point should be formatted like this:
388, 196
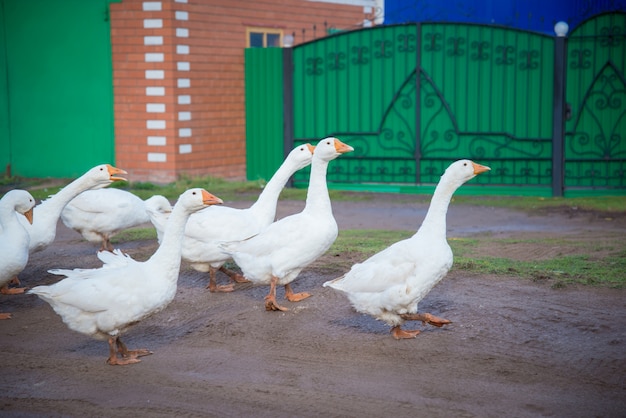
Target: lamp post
287, 41
558, 117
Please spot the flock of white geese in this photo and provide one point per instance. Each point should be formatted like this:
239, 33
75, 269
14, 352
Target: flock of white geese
104, 302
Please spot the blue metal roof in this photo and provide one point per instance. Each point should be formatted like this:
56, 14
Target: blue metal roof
535, 15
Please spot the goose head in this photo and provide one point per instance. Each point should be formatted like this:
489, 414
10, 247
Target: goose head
330, 148
158, 205
463, 170
104, 174
22, 201
301, 156
195, 199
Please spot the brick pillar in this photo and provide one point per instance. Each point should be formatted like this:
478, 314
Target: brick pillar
142, 34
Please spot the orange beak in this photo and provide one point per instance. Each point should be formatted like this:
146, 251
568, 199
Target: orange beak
29, 215
342, 148
480, 168
209, 199
311, 148
113, 173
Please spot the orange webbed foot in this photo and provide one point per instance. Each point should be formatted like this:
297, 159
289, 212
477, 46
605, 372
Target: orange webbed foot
225, 288
294, 297
234, 276
272, 305
6, 290
427, 318
115, 361
400, 334
127, 356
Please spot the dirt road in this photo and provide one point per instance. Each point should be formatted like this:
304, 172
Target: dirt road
516, 348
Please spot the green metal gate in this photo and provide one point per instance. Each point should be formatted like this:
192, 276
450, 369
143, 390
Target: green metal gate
413, 98
595, 142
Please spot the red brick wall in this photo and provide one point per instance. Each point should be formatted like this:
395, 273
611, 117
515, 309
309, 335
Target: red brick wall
178, 70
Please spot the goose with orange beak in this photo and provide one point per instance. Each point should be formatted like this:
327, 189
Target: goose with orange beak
389, 285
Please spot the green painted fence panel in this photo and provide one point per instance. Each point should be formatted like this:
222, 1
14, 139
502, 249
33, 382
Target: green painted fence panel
595, 143
5, 145
487, 95
357, 86
264, 112
59, 89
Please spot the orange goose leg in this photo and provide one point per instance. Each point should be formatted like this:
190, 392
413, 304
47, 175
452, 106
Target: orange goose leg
294, 297
6, 290
234, 276
270, 299
213, 287
128, 356
426, 318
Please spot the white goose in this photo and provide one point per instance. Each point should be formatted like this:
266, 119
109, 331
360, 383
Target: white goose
104, 302
279, 252
13, 239
158, 209
46, 214
100, 214
209, 227
389, 285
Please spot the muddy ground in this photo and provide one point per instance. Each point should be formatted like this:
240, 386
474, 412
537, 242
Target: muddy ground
516, 348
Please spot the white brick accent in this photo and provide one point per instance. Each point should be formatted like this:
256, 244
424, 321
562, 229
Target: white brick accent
155, 124
184, 115
182, 32
157, 141
183, 83
155, 74
182, 66
151, 6
184, 132
182, 15
152, 23
153, 40
184, 149
157, 157
182, 49
154, 57
155, 107
184, 99
155, 91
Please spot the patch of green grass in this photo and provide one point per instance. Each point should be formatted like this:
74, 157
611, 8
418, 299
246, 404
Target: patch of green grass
560, 271
367, 242
609, 204
135, 234
599, 263
588, 268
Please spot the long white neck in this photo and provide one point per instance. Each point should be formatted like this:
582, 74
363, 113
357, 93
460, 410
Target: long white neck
168, 255
435, 221
54, 204
46, 214
9, 221
317, 195
264, 208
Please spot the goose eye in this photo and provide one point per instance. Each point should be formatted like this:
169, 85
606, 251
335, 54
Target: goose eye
193, 192
465, 164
